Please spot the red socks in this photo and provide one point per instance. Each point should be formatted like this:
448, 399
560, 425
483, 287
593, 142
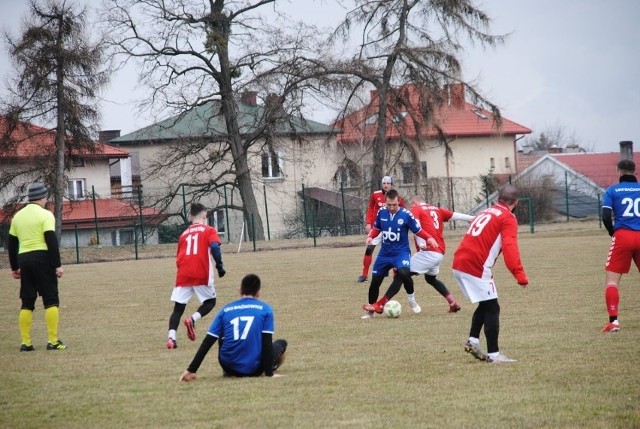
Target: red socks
366, 263
612, 299
382, 301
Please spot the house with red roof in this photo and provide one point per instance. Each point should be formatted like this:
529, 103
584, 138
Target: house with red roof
575, 181
92, 212
448, 175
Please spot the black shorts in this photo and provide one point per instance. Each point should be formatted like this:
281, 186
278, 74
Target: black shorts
38, 277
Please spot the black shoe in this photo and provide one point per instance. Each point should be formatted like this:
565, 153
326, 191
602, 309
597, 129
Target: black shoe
56, 346
361, 279
26, 348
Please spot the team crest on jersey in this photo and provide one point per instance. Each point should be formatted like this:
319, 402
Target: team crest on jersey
400, 221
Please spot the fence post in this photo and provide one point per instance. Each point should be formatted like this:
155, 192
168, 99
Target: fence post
566, 192
266, 211
141, 222
253, 231
184, 205
531, 214
304, 208
95, 214
599, 213
226, 214
77, 245
313, 226
135, 239
344, 208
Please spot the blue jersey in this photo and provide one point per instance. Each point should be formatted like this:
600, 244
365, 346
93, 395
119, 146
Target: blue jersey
395, 230
239, 325
624, 201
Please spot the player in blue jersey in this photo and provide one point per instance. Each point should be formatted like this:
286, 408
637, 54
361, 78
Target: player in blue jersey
245, 329
621, 217
394, 223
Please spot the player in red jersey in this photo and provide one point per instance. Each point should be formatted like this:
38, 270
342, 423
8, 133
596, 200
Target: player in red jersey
427, 259
493, 230
376, 201
196, 247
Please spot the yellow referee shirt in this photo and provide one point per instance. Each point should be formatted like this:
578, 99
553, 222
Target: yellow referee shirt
29, 225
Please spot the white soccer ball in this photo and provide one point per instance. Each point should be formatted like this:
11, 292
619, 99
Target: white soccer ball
392, 309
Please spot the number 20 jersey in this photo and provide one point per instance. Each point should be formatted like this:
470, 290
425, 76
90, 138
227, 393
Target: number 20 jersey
624, 200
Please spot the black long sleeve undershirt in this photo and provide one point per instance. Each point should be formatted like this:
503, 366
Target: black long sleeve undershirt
267, 354
207, 343
51, 239
13, 247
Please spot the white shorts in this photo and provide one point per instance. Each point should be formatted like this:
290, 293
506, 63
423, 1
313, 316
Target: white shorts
182, 294
377, 240
476, 289
426, 262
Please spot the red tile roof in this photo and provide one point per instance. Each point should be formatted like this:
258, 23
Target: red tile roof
111, 213
599, 167
457, 119
28, 141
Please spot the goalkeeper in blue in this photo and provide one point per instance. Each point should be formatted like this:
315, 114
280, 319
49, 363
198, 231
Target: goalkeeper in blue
245, 329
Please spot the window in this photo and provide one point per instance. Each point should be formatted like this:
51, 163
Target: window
76, 189
218, 221
507, 162
371, 120
122, 237
408, 171
77, 162
271, 165
492, 163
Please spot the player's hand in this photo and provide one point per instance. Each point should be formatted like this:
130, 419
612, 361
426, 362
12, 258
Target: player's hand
369, 240
16, 274
367, 228
187, 376
523, 280
59, 272
221, 271
433, 243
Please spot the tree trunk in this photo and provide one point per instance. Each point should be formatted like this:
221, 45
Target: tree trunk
60, 184
238, 150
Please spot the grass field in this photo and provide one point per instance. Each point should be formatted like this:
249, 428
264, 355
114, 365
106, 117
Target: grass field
341, 371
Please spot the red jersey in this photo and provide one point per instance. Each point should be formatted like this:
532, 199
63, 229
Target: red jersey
193, 259
432, 220
492, 231
376, 201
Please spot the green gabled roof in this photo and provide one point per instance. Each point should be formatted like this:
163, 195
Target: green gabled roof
207, 121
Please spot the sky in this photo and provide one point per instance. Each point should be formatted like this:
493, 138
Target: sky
567, 64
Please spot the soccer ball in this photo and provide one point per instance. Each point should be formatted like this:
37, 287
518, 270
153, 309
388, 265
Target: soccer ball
392, 309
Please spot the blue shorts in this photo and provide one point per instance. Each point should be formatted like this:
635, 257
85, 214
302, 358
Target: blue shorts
384, 263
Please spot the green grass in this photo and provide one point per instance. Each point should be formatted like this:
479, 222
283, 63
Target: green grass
341, 371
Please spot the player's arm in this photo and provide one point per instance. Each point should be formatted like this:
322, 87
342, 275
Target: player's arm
190, 373
267, 353
372, 234
13, 246
461, 216
216, 252
607, 219
511, 253
371, 211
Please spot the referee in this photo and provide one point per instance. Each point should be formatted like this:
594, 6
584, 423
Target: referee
35, 260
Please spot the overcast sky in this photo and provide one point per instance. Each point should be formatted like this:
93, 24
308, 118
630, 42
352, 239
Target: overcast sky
573, 64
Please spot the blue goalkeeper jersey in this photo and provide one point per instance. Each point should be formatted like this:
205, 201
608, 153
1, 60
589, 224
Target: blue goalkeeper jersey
239, 326
394, 229
624, 201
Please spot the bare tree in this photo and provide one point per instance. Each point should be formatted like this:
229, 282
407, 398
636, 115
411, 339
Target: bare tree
410, 41
557, 136
58, 73
199, 56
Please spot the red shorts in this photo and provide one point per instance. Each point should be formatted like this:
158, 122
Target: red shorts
625, 246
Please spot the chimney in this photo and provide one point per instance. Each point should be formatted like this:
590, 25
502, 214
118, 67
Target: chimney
249, 98
106, 135
454, 95
626, 150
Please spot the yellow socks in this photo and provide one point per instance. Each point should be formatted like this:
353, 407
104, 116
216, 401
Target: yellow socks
24, 322
51, 317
